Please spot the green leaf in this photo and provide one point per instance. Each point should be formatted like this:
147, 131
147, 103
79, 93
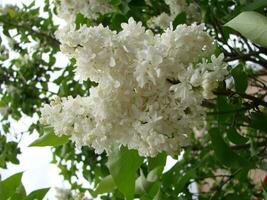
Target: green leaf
259, 121
235, 137
159, 160
148, 187
241, 78
179, 19
137, 3
225, 109
155, 174
116, 21
50, 139
153, 192
141, 184
115, 2
257, 4
106, 185
9, 186
223, 151
38, 194
19, 193
81, 20
251, 25
182, 182
123, 164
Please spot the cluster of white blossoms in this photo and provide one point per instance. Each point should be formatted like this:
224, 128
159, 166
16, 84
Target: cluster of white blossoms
150, 87
176, 7
68, 9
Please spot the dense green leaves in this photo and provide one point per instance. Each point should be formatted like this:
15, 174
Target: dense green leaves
8, 152
252, 25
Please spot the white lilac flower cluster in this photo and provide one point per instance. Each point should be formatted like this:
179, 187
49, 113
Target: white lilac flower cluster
68, 9
150, 87
176, 7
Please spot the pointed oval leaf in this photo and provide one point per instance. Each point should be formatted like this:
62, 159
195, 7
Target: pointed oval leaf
252, 25
222, 151
9, 186
106, 185
235, 137
37, 194
50, 139
123, 164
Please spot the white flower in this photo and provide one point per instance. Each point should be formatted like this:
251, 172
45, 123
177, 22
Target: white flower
68, 9
150, 87
163, 21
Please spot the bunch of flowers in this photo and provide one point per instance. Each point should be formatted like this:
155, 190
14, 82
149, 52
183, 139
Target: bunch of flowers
150, 87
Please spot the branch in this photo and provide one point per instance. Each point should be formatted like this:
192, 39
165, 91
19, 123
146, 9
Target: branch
256, 100
245, 146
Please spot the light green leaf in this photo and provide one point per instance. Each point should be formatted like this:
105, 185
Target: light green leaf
9, 186
50, 139
141, 184
251, 25
38, 194
106, 185
148, 187
123, 164
256, 4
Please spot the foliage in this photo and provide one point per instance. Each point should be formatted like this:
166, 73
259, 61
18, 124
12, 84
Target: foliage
233, 143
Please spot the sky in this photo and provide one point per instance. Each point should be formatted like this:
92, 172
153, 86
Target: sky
35, 162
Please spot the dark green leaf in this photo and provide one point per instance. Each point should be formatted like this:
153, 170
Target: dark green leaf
223, 151
179, 19
241, 78
116, 21
259, 121
235, 137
